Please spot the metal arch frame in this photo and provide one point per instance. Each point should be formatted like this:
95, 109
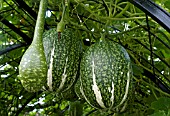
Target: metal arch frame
162, 17
157, 13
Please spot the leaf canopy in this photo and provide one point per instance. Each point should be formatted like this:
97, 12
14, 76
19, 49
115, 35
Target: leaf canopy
146, 41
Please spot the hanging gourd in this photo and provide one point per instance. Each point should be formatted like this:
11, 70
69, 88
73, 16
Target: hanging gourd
33, 67
105, 76
62, 51
77, 89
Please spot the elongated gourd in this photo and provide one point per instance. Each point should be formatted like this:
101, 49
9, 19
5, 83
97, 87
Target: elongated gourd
62, 48
33, 66
62, 55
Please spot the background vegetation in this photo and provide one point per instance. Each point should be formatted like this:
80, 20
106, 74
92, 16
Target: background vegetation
147, 43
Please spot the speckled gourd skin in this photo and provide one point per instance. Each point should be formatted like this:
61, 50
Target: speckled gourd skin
33, 66
65, 59
77, 89
105, 73
33, 69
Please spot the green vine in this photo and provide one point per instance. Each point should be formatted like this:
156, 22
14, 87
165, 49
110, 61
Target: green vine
61, 24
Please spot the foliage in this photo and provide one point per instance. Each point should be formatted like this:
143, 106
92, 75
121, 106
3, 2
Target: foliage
124, 24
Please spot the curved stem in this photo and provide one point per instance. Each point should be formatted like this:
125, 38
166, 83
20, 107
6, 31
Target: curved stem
106, 6
123, 11
153, 91
139, 64
109, 15
80, 26
110, 18
114, 12
127, 31
39, 27
153, 87
64, 9
61, 24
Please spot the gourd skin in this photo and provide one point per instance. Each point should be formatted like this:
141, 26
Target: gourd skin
33, 68
77, 89
62, 53
105, 73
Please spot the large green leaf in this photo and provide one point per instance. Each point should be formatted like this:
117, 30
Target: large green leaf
162, 103
159, 113
167, 4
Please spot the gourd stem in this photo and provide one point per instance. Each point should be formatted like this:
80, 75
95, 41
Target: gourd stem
39, 27
104, 18
64, 9
123, 11
110, 15
61, 24
102, 37
115, 7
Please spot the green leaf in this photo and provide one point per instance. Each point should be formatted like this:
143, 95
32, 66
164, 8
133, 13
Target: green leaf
167, 4
159, 113
137, 70
162, 103
168, 113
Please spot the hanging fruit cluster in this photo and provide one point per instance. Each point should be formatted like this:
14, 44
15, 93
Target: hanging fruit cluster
105, 68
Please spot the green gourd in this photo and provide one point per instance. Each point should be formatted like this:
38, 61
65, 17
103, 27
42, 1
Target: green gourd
62, 55
105, 75
77, 89
33, 66
62, 48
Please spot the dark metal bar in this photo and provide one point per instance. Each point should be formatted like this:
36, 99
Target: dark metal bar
25, 7
16, 30
154, 11
10, 48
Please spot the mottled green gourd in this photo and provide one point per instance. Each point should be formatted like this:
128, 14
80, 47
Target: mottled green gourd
33, 67
62, 55
105, 74
77, 89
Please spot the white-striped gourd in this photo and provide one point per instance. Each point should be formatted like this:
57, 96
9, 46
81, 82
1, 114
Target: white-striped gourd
62, 52
77, 89
105, 74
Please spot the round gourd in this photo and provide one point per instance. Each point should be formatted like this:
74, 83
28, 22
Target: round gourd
62, 52
77, 89
105, 74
